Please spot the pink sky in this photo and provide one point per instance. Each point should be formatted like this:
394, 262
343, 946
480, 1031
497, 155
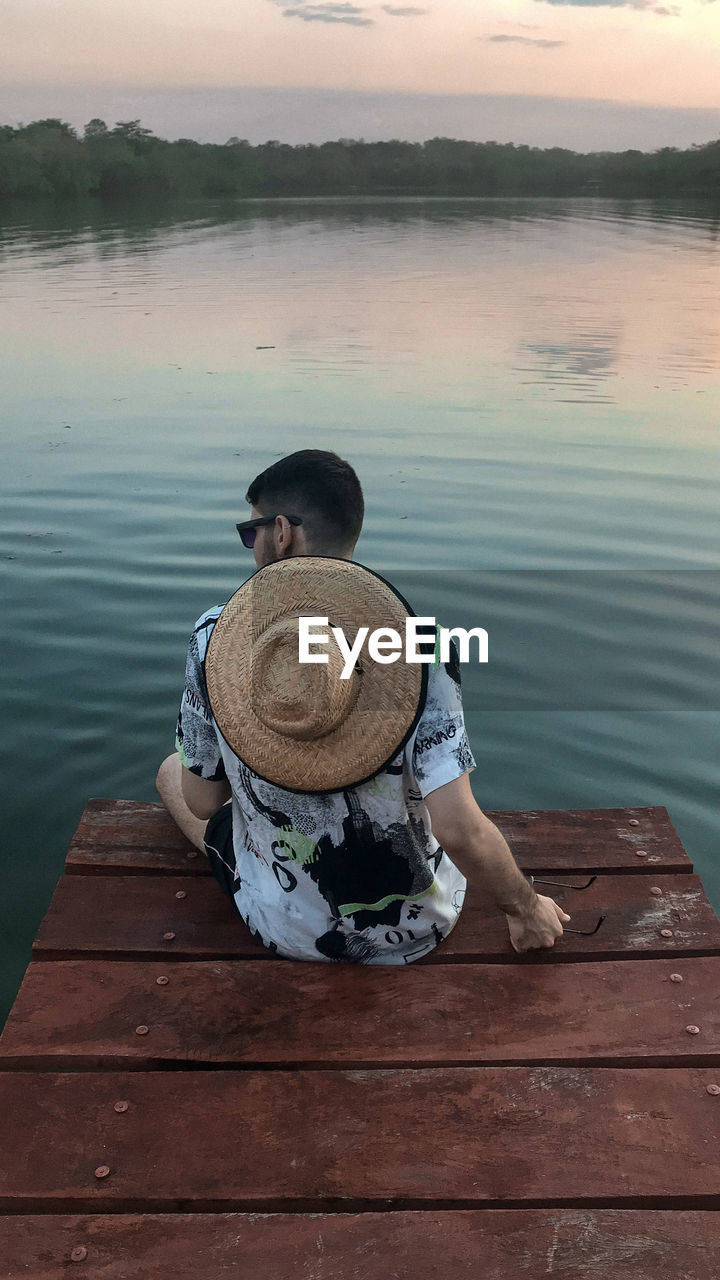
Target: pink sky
642, 52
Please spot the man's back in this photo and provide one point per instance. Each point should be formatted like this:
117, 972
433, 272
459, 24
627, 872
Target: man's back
350, 875
324, 873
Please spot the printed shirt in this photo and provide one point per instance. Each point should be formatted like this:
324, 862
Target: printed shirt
354, 875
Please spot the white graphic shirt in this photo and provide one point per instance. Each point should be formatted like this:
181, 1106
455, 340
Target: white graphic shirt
354, 875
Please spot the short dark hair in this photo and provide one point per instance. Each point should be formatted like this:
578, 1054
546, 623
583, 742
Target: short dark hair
321, 488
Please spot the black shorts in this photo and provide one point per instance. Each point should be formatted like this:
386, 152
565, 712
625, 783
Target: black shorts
219, 848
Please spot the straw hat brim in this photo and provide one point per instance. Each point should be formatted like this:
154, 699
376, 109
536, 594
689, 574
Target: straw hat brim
386, 700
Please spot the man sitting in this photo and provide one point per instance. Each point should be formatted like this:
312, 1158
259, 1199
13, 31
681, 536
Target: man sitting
336, 812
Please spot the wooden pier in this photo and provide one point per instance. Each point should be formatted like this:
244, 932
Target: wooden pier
178, 1102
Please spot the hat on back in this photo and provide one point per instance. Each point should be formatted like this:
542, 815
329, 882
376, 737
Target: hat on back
299, 724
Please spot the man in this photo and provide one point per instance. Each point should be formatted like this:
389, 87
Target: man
351, 830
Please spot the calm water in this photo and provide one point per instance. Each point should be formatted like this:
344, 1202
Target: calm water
530, 393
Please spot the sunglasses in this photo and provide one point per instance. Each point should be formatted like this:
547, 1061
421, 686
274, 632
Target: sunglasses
248, 528
584, 933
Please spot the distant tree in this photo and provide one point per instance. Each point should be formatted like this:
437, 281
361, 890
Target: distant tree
136, 135
52, 124
46, 158
95, 128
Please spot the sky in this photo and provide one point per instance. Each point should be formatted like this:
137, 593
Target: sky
594, 74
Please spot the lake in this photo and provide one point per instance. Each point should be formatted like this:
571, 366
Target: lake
529, 391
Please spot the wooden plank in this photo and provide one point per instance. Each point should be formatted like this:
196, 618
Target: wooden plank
129, 915
217, 1141
123, 836
466, 1244
128, 836
85, 1014
594, 839
127, 823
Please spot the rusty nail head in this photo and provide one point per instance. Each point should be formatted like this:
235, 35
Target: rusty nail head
78, 1253
121, 1106
634, 822
181, 894
641, 853
666, 933
192, 854
169, 935
714, 1089
162, 981
657, 892
141, 1031
676, 977
102, 1171
693, 1031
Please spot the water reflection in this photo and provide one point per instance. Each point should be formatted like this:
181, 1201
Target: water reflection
120, 226
456, 294
583, 365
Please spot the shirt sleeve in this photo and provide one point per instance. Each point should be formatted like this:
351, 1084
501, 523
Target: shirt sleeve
196, 739
440, 746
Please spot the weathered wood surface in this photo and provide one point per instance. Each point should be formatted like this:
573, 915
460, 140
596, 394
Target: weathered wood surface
513, 1137
508, 1244
110, 915
121, 836
511, 1117
85, 1014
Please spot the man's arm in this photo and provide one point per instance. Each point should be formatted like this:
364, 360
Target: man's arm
480, 852
202, 797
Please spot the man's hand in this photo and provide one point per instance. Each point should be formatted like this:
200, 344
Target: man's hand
480, 851
538, 927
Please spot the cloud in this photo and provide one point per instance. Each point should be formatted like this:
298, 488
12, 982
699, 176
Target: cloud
327, 12
649, 6
540, 44
606, 4
403, 11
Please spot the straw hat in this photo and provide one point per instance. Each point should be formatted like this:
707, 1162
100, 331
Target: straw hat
300, 725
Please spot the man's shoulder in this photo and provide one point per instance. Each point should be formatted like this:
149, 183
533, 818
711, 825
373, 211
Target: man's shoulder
443, 697
202, 628
446, 657
208, 618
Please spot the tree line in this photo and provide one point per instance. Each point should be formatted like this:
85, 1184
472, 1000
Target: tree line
48, 158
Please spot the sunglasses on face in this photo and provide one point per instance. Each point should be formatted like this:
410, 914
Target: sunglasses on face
248, 528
